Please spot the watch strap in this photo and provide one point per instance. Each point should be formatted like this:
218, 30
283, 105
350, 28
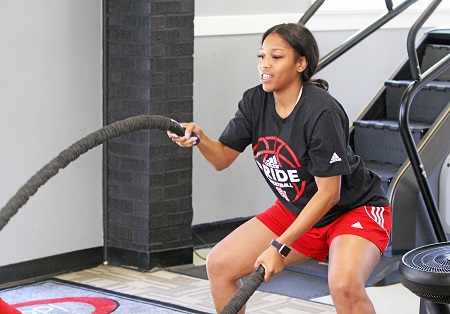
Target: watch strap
283, 249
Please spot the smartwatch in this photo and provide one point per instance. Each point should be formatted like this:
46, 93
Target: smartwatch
283, 249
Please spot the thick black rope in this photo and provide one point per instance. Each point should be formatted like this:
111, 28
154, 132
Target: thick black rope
94, 139
74, 151
245, 292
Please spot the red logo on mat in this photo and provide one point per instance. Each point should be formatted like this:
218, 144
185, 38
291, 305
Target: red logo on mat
101, 305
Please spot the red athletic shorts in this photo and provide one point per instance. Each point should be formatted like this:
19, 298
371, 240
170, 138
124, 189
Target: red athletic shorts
370, 222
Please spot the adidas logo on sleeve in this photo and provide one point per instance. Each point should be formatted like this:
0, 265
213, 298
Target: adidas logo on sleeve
335, 158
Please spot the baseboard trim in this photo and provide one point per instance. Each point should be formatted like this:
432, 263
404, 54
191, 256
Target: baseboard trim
51, 265
208, 234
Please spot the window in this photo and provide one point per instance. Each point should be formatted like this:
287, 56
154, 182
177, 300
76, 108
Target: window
332, 15
369, 5
353, 5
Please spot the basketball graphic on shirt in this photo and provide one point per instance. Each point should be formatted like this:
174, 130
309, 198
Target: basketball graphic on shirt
280, 166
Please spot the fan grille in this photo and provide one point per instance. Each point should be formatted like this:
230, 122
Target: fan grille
435, 260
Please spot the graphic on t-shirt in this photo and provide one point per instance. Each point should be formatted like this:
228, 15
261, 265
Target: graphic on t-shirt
279, 164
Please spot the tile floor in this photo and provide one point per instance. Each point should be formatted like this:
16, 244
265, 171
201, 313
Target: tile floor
186, 291
194, 293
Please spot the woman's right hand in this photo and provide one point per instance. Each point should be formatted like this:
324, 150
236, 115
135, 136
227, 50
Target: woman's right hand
217, 154
186, 140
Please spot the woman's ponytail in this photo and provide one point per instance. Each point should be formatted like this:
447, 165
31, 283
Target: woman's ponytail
320, 83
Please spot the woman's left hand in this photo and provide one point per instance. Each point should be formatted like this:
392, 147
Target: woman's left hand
272, 261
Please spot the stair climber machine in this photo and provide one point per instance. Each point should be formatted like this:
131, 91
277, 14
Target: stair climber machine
378, 140
425, 270
410, 110
403, 136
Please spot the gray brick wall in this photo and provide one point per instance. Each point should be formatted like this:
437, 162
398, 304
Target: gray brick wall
148, 180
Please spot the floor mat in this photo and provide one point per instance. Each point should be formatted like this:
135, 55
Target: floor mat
59, 296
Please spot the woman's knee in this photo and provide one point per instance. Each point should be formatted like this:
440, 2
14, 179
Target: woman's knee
216, 261
346, 288
223, 264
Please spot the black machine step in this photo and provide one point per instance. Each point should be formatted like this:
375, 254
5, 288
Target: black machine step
433, 53
380, 140
426, 105
385, 171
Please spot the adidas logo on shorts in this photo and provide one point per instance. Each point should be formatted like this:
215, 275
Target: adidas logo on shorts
357, 225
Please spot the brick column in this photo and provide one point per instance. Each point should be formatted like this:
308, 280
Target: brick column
148, 179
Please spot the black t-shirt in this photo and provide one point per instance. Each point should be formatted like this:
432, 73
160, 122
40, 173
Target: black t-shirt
311, 141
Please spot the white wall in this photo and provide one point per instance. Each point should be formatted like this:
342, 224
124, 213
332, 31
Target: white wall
50, 97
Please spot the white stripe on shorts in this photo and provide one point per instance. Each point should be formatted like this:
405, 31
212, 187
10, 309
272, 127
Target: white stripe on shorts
377, 215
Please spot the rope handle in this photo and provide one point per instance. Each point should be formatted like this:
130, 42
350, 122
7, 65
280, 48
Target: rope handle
178, 129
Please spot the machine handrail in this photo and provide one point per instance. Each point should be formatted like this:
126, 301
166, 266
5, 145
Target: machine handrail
361, 34
318, 3
389, 5
410, 43
419, 82
311, 11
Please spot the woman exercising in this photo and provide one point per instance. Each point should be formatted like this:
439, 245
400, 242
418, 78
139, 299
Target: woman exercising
327, 203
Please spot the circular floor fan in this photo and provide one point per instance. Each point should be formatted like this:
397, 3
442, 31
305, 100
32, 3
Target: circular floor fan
425, 271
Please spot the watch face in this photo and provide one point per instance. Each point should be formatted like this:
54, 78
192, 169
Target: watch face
284, 250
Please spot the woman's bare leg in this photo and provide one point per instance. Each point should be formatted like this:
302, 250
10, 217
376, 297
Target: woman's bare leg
233, 258
351, 261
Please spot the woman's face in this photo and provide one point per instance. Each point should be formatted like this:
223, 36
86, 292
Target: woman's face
278, 67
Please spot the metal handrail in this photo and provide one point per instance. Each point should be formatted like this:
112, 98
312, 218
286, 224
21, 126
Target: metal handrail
389, 5
420, 81
311, 11
318, 3
410, 43
361, 34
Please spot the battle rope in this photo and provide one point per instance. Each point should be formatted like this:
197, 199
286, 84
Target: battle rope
74, 151
94, 139
245, 292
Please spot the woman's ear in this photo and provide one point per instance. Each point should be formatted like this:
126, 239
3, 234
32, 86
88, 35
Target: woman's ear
302, 63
